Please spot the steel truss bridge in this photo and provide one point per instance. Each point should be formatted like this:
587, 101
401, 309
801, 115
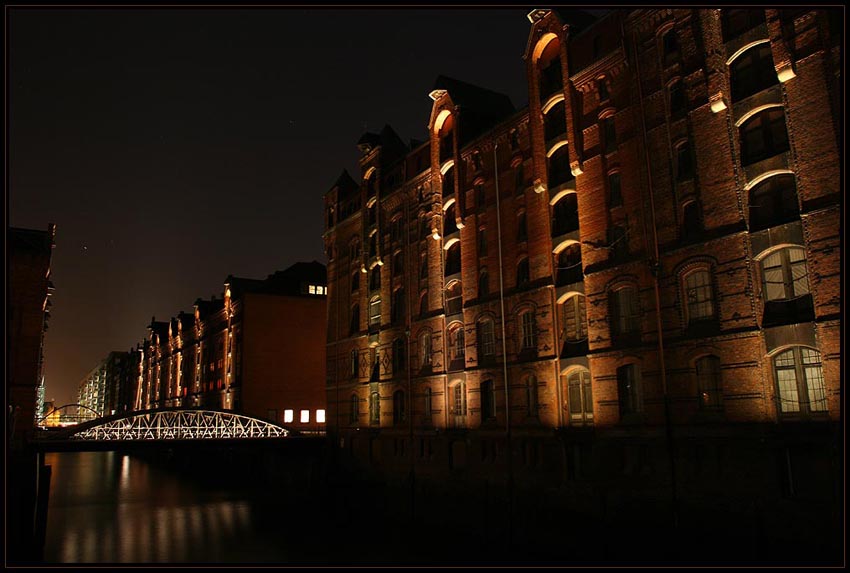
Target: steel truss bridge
170, 424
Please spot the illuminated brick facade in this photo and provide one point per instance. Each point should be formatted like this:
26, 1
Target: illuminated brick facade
257, 350
664, 239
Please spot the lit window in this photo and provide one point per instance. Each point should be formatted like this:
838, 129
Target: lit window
320, 416
312, 289
784, 274
700, 298
288, 416
305, 416
529, 331
799, 378
625, 313
580, 394
486, 340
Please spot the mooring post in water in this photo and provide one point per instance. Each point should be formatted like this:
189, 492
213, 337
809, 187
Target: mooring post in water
42, 497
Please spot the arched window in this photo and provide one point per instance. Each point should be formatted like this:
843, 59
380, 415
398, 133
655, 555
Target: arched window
398, 264
480, 196
375, 311
372, 212
355, 281
399, 414
457, 346
784, 274
449, 222
397, 310
519, 178
615, 193
699, 296
709, 388
799, 379
603, 87
454, 298
355, 318
773, 202
625, 313
629, 390
453, 259
449, 181
354, 409
423, 265
752, 72
559, 167
482, 242
609, 131
676, 95
528, 324
684, 163
486, 340
458, 404
398, 356
580, 397
425, 349
374, 408
354, 363
575, 319
565, 215
522, 274
483, 283
555, 123
423, 303
549, 64
670, 47
568, 265
375, 278
691, 221
763, 135
521, 227
488, 400
531, 397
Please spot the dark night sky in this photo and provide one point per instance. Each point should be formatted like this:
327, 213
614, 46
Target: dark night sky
173, 147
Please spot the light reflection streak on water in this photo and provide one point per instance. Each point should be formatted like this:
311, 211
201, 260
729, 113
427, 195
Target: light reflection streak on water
151, 516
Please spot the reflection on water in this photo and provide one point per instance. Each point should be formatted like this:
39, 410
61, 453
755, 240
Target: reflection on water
106, 507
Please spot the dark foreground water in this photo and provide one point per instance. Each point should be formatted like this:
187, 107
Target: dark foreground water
106, 507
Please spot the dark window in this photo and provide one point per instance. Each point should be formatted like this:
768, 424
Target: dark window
691, 221
479, 195
709, 390
375, 278
449, 221
684, 163
752, 72
559, 167
522, 273
603, 90
737, 21
488, 400
398, 407
618, 242
565, 215
671, 47
398, 356
375, 311
373, 245
428, 402
699, 295
773, 202
355, 318
397, 310
522, 228
616, 193
519, 178
354, 409
625, 312
551, 78
457, 346
449, 182
531, 398
483, 284
763, 135
677, 98
610, 133
514, 140
482, 242
355, 281
554, 123
373, 214
799, 381
398, 264
568, 265
453, 259
423, 265
580, 397
628, 390
476, 161
423, 303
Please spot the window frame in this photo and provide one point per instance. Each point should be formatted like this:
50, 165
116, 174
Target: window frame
802, 383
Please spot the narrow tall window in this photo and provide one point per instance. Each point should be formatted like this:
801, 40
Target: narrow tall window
354, 409
522, 273
454, 298
482, 242
529, 331
628, 390
488, 400
399, 414
603, 90
610, 132
375, 311
616, 194
531, 398
522, 228
575, 319
519, 178
580, 397
691, 221
375, 278
453, 259
428, 402
398, 264
397, 310
355, 281
684, 163
480, 198
486, 340
425, 349
354, 363
625, 313
457, 345
375, 408
708, 383
355, 318
670, 46
483, 284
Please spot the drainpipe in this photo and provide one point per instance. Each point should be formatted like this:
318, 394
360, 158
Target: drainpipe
504, 350
655, 269
409, 312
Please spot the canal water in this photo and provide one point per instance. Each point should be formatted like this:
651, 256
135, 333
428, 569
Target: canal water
107, 507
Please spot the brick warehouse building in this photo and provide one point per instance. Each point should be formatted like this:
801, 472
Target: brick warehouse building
632, 286
256, 350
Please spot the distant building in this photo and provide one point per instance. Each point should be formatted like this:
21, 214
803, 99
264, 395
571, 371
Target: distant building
258, 350
39, 403
104, 389
28, 312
